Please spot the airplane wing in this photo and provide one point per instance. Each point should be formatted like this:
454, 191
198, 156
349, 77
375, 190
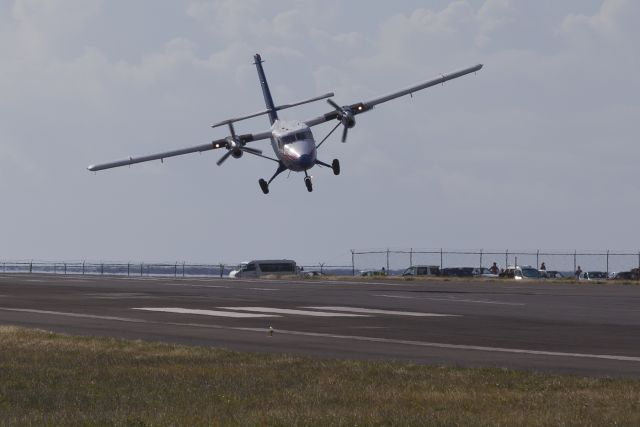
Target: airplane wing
218, 143
361, 107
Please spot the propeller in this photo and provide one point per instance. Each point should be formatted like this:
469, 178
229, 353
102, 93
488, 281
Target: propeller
346, 117
235, 147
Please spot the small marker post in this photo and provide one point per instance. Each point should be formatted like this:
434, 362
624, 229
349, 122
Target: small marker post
270, 330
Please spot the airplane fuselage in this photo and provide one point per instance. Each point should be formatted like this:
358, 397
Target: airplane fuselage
293, 144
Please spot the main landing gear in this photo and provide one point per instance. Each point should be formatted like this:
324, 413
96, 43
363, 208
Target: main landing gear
264, 185
335, 167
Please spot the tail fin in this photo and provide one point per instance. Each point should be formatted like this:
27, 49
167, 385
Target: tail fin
268, 100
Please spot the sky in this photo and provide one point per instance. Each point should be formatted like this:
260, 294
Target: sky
537, 150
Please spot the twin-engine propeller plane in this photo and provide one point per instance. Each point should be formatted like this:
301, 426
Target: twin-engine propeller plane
293, 143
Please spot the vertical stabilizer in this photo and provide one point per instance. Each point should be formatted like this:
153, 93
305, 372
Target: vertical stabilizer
268, 100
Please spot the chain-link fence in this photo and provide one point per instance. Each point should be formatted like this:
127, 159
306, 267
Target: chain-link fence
177, 269
395, 261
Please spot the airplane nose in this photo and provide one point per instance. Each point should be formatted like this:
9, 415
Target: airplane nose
306, 160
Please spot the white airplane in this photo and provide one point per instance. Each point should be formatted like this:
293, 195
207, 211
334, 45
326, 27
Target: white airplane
293, 143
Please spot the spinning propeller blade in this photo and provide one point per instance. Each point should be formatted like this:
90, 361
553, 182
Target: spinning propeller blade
345, 115
223, 158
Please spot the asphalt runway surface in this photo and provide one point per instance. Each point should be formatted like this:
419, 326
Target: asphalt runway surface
584, 329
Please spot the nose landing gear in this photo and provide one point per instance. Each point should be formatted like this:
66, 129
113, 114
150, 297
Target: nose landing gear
307, 182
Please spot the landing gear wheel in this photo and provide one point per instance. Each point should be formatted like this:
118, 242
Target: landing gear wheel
335, 165
264, 186
307, 182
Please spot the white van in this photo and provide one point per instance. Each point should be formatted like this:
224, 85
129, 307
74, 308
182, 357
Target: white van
258, 268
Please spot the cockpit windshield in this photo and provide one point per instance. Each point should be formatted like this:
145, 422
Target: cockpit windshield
298, 136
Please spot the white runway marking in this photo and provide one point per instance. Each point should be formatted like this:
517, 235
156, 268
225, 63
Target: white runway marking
376, 311
85, 316
205, 312
293, 312
347, 337
119, 295
472, 301
194, 286
458, 346
264, 289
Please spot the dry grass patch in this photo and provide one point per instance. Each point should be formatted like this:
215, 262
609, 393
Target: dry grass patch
54, 379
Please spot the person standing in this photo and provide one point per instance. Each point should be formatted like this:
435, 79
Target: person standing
494, 269
543, 267
578, 273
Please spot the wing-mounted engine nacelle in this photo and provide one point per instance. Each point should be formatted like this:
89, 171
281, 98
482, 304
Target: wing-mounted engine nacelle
347, 118
234, 146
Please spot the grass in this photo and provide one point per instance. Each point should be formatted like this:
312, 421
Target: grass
53, 379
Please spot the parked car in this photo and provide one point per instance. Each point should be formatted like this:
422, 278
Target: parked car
628, 275
232, 274
483, 272
526, 272
313, 273
457, 272
422, 270
521, 272
373, 273
593, 275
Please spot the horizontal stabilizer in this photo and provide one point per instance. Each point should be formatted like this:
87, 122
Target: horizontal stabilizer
278, 108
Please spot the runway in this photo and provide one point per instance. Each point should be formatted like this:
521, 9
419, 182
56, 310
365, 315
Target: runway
577, 328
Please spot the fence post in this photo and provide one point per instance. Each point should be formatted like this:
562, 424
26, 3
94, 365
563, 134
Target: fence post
83, 268
65, 268
30, 267
128, 269
175, 270
638, 273
141, 264
387, 260
183, 269
575, 255
411, 257
321, 267
353, 263
607, 263
221, 270
480, 261
440, 259
537, 258
506, 259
